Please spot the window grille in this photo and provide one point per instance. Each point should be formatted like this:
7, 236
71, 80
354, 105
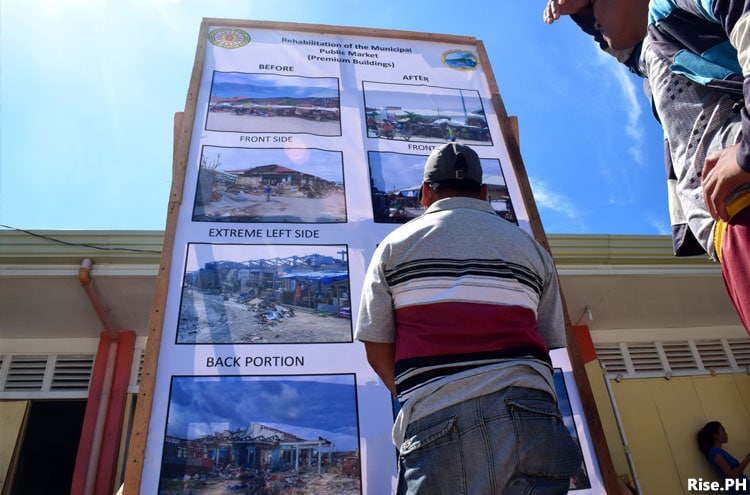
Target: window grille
142, 355
611, 355
712, 353
53, 375
674, 358
72, 372
26, 373
740, 349
679, 355
645, 357
137, 370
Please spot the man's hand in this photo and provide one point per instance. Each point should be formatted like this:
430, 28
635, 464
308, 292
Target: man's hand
722, 175
557, 8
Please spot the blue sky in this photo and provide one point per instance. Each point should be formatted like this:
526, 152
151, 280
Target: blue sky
89, 88
230, 85
308, 407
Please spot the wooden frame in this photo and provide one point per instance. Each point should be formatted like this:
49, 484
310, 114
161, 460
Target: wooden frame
183, 129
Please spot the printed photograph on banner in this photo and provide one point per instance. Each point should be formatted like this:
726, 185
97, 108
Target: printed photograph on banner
274, 185
428, 114
265, 294
581, 480
396, 178
262, 435
272, 103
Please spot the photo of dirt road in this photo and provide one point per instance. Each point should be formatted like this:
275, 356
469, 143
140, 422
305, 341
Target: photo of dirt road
279, 185
281, 207
207, 317
265, 294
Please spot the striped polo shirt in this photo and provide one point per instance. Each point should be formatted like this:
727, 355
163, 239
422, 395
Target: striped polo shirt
459, 288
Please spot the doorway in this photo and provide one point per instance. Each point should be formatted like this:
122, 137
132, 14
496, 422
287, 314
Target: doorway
48, 448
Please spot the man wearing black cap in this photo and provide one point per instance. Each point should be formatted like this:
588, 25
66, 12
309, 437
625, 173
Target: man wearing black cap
458, 312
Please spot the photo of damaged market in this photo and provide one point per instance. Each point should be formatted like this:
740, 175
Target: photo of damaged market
427, 114
270, 103
396, 178
290, 185
265, 294
269, 435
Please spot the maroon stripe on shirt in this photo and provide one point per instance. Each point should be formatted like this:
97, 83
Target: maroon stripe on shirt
460, 328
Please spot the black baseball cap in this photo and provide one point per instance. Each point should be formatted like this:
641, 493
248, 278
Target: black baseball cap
453, 161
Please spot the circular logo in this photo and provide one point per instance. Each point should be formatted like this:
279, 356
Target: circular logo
229, 37
460, 60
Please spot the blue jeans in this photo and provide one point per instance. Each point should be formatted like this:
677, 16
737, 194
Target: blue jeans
509, 442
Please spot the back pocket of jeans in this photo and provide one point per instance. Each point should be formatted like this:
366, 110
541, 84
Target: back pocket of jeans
545, 446
427, 435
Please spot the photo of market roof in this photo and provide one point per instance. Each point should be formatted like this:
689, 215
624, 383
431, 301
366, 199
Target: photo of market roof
425, 113
396, 178
254, 103
292, 185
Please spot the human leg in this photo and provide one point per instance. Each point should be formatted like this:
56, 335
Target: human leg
735, 264
511, 441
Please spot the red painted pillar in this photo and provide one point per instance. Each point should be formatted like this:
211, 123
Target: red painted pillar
114, 401
105, 476
585, 344
93, 403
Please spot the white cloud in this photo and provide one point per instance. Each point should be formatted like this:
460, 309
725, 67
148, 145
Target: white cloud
619, 184
632, 99
661, 226
549, 199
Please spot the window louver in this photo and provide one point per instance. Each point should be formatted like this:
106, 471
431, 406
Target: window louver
712, 353
26, 373
679, 355
645, 357
72, 372
611, 356
140, 366
53, 375
741, 351
681, 358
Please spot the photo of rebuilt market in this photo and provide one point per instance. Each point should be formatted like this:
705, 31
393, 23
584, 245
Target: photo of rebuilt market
270, 103
267, 435
295, 185
427, 114
265, 294
397, 177
580, 480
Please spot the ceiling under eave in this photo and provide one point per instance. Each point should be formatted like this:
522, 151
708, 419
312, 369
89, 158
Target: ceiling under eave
635, 282
628, 282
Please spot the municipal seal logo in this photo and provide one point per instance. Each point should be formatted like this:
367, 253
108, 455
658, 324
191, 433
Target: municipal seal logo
460, 60
229, 37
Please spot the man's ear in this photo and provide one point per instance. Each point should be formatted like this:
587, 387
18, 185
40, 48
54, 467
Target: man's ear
483, 192
425, 195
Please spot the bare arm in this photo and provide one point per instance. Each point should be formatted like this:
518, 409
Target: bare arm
729, 472
381, 357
